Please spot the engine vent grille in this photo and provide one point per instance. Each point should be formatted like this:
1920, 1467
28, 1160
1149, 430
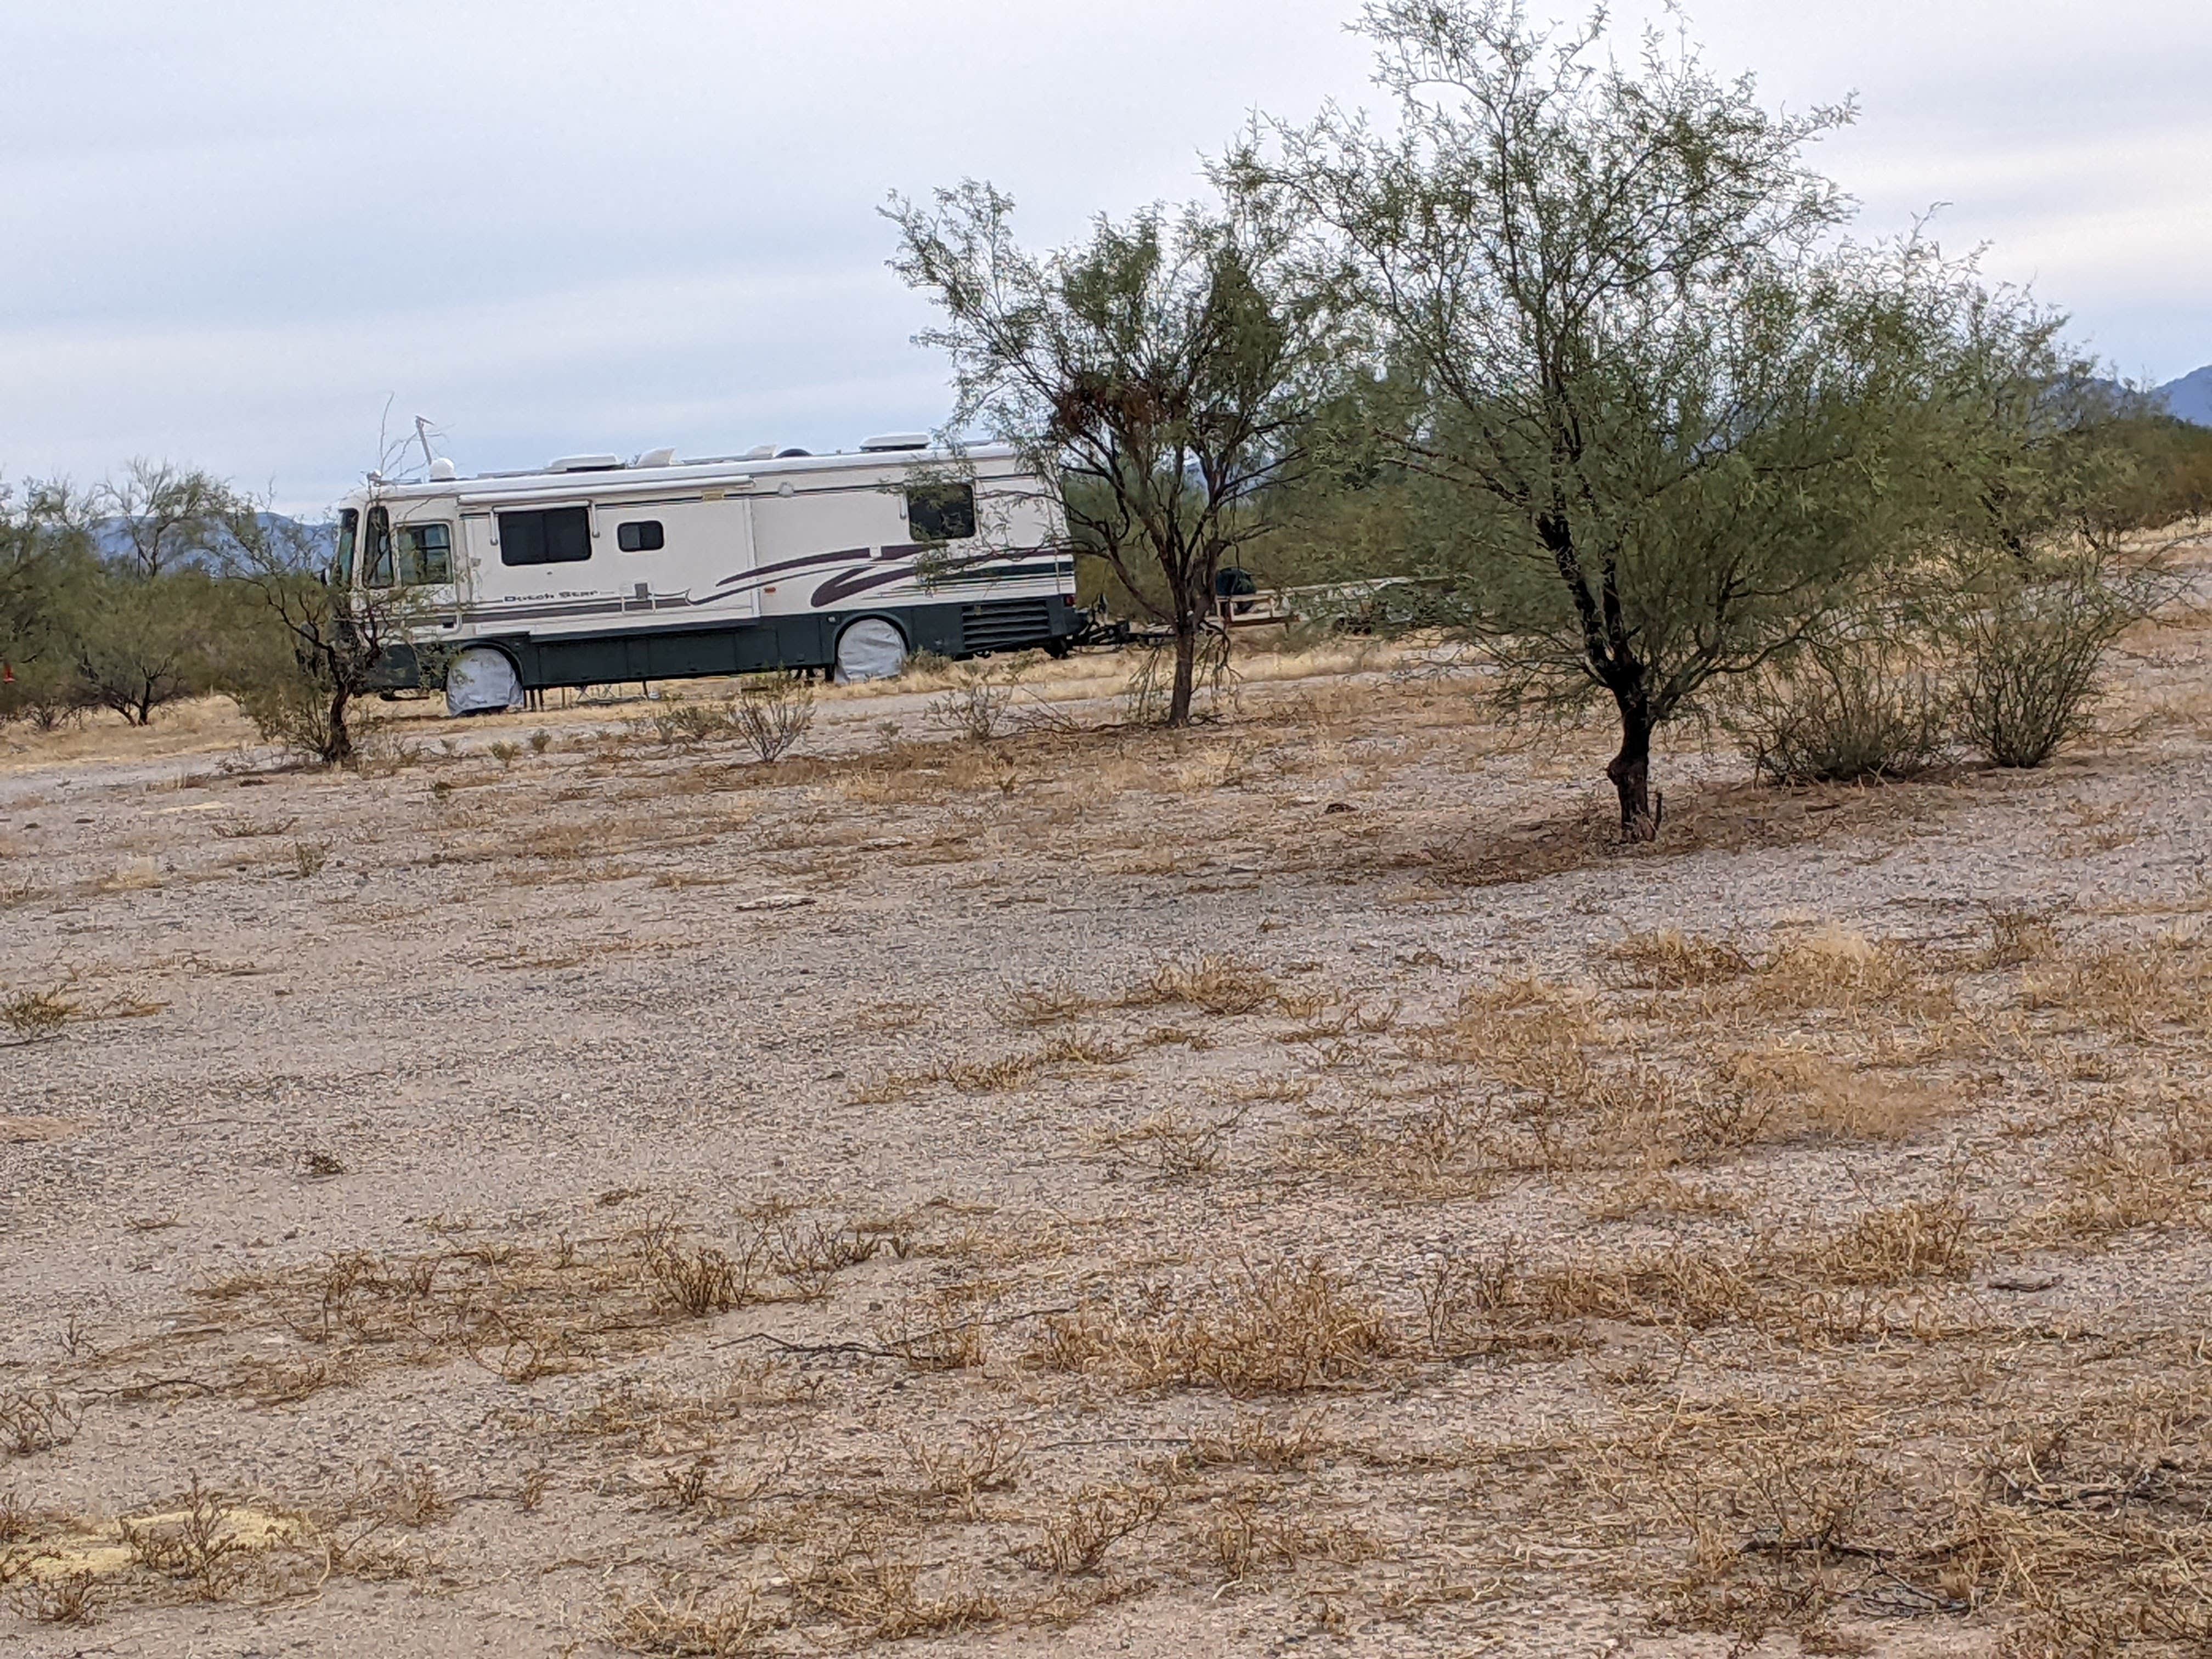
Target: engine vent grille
1005, 624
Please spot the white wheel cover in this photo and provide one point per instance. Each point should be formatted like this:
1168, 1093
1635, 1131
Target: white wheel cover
481, 680
871, 649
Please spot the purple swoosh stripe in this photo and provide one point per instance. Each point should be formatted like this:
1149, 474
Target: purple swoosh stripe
846, 557
857, 581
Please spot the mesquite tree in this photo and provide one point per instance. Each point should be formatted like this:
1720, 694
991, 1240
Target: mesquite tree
1677, 419
161, 515
1156, 376
321, 641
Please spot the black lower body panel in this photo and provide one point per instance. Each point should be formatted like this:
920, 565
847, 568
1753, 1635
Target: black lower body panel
747, 648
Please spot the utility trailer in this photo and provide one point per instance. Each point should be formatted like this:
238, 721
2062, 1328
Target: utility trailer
593, 570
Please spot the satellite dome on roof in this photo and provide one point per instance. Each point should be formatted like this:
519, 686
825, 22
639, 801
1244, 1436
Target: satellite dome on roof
894, 441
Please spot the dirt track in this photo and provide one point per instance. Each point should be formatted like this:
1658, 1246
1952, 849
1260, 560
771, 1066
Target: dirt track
1293, 1186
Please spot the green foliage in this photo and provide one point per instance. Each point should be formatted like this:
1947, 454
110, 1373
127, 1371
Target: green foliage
166, 516
45, 561
1157, 375
143, 641
1844, 711
311, 646
1656, 424
2032, 640
130, 634
2169, 473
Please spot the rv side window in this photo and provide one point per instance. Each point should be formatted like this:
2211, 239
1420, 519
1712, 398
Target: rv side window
349, 532
554, 535
425, 553
941, 513
376, 564
639, 535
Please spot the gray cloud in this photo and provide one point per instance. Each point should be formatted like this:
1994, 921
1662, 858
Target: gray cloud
235, 230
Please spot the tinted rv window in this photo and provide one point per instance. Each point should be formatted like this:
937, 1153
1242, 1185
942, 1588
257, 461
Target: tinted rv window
554, 535
376, 563
941, 513
639, 535
425, 553
349, 529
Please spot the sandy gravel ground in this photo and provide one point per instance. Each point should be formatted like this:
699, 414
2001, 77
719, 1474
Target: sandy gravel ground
1291, 1188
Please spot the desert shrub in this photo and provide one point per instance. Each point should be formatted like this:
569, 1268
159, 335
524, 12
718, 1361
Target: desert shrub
980, 704
287, 711
688, 725
34, 1016
771, 713
143, 642
47, 694
1843, 714
2031, 658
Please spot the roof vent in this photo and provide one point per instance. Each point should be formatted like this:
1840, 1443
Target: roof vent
888, 441
585, 464
443, 470
656, 457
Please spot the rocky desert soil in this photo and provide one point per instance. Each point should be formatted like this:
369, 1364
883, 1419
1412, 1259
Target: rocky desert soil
1291, 1187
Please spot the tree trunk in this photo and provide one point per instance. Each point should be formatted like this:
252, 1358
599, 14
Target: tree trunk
1631, 772
1185, 671
337, 736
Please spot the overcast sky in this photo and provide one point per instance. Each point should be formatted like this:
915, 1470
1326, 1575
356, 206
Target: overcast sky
232, 231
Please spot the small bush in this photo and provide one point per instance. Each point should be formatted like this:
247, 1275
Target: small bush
686, 1623
36, 1419
688, 725
1843, 716
978, 708
2033, 659
771, 713
35, 1016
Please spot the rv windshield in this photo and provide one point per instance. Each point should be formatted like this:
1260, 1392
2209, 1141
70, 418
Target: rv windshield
349, 530
376, 560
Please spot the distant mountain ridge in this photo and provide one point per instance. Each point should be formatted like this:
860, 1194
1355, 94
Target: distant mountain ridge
2190, 398
110, 540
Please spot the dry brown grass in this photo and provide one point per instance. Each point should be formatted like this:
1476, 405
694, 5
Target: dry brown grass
2085, 1538
1076, 1539
1173, 1144
199, 1544
1217, 983
1280, 1327
689, 1622
36, 1016
865, 1584
1671, 960
38, 1419
1249, 1539
992, 1459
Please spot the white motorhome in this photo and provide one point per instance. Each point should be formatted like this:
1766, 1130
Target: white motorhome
594, 570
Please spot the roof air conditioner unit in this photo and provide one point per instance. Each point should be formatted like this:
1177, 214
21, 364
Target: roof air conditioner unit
585, 464
889, 441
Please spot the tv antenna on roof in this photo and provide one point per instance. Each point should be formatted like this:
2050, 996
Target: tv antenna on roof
422, 437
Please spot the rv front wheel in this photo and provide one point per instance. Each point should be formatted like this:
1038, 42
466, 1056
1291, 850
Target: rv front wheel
870, 649
482, 681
